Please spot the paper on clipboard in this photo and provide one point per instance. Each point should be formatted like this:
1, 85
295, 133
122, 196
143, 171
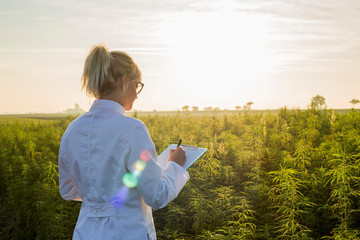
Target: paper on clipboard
192, 154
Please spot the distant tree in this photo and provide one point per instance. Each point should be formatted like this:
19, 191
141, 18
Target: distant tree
208, 108
216, 109
185, 108
238, 108
354, 102
135, 115
248, 106
317, 102
195, 108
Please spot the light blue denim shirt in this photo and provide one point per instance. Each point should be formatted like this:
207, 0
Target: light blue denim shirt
96, 151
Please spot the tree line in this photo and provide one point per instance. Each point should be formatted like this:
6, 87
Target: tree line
317, 102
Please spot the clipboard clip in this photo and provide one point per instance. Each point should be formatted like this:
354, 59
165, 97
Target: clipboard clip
189, 147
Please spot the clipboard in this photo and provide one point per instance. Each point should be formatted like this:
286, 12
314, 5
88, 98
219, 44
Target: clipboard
192, 154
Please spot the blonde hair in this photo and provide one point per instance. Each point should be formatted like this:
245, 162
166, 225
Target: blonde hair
103, 69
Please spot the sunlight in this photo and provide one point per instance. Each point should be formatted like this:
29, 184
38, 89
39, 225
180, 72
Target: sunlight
213, 46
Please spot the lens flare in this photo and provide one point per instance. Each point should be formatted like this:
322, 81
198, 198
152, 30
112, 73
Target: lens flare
145, 155
139, 165
136, 173
130, 180
119, 199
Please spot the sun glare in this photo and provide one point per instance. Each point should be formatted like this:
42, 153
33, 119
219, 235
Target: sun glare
213, 46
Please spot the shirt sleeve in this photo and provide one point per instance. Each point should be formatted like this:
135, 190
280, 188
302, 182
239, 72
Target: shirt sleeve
67, 188
157, 186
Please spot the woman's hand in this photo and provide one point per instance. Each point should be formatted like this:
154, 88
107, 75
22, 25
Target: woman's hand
178, 155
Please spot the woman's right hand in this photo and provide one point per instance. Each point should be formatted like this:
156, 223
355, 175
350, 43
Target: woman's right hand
178, 155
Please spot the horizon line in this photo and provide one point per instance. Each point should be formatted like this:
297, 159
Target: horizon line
178, 110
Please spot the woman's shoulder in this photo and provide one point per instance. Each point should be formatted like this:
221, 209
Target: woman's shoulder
115, 123
73, 124
134, 122
78, 121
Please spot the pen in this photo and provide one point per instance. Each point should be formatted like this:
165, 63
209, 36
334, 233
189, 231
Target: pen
179, 143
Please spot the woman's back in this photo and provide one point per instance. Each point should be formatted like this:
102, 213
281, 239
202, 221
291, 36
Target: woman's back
96, 151
97, 145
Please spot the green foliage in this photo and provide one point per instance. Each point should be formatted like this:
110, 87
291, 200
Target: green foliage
290, 204
290, 175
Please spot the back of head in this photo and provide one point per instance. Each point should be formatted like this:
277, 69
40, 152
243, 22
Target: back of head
103, 69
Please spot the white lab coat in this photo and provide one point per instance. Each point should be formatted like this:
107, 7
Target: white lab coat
96, 150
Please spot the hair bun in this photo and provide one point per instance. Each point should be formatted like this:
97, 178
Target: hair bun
103, 68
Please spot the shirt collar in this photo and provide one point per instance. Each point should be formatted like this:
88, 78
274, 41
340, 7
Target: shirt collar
107, 104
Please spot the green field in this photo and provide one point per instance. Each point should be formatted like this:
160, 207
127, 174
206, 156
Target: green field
284, 174
40, 116
59, 116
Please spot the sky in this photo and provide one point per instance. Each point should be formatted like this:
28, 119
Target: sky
200, 53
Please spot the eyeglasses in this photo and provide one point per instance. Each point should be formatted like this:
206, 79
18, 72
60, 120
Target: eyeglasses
139, 87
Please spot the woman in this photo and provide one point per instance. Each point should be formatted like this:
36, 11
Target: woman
105, 155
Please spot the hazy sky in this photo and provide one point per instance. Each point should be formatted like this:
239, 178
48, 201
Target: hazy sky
218, 53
